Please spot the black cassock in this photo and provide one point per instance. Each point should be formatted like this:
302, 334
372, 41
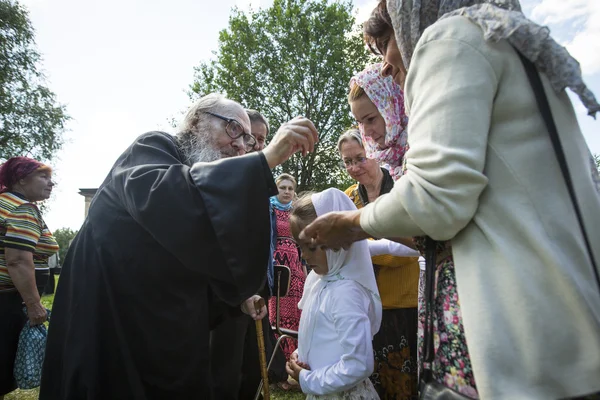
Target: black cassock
165, 248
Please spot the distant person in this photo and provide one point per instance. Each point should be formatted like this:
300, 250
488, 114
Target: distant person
26, 243
54, 267
163, 255
341, 311
287, 253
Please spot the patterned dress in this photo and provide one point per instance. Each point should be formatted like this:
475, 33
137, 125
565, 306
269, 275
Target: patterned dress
451, 364
286, 253
363, 391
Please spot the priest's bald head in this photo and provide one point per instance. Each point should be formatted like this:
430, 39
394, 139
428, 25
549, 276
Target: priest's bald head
213, 128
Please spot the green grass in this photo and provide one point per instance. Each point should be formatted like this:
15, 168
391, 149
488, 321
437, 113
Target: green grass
276, 393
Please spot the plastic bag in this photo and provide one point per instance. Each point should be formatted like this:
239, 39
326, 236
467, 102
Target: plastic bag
30, 355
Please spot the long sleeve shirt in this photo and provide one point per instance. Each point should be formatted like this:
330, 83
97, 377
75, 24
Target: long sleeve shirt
341, 351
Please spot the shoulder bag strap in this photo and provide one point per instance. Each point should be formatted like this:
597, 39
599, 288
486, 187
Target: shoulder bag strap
544, 106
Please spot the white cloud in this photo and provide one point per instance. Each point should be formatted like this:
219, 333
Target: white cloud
581, 19
585, 46
557, 11
364, 11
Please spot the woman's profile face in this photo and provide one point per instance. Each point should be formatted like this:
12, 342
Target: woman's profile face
369, 119
392, 62
286, 191
38, 185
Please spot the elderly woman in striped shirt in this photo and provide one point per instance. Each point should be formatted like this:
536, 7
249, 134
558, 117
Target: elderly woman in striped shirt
25, 245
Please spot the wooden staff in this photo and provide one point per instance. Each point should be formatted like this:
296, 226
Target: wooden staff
258, 305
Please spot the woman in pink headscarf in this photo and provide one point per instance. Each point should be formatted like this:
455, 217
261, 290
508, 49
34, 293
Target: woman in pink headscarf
377, 103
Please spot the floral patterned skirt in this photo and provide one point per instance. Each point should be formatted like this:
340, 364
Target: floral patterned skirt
395, 348
363, 391
451, 365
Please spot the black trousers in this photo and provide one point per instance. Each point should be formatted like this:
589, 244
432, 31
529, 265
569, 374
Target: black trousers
12, 320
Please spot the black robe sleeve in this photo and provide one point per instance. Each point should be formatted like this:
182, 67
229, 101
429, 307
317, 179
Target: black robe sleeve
179, 206
237, 202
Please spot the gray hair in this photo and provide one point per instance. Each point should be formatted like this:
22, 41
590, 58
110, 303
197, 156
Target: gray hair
349, 135
211, 102
193, 135
256, 116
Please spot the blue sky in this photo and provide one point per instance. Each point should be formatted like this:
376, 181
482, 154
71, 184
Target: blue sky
122, 68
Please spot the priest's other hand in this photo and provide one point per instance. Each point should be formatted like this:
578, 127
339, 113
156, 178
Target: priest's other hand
334, 230
248, 308
298, 134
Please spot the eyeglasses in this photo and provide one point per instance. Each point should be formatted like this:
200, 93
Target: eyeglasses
351, 162
235, 130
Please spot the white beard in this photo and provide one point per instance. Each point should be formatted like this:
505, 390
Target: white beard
198, 148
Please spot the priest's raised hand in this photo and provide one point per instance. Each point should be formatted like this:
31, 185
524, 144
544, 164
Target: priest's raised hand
298, 134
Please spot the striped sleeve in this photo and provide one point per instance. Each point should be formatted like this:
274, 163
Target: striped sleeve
23, 228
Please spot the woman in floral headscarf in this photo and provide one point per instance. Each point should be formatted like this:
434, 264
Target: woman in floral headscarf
482, 179
370, 95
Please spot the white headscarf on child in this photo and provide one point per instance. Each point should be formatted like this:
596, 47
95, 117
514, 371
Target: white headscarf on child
352, 264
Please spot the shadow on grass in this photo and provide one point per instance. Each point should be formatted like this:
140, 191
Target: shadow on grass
276, 393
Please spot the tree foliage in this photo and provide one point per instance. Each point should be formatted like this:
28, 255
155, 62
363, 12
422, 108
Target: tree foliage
64, 236
294, 58
31, 120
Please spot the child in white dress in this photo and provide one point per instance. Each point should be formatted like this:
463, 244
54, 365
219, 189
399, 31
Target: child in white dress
341, 311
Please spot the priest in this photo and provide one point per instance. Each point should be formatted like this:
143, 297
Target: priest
176, 237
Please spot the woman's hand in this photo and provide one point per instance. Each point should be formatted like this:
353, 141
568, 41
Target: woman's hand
334, 230
36, 313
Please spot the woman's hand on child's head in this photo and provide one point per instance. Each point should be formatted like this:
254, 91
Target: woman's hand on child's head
334, 230
293, 368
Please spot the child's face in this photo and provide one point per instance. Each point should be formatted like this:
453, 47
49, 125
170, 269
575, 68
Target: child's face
315, 258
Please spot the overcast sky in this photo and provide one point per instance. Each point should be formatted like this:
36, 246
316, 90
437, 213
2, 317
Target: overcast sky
122, 68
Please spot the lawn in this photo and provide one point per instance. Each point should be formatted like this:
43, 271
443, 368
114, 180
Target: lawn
276, 393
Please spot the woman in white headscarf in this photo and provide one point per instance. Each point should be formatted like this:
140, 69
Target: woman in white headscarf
517, 306
341, 311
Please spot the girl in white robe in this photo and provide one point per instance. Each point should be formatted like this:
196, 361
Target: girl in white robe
341, 311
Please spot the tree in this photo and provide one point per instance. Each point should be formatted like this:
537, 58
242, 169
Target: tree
64, 236
294, 58
31, 120
597, 159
